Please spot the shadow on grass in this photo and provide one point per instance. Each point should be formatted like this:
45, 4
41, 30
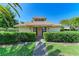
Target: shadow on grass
52, 52
16, 50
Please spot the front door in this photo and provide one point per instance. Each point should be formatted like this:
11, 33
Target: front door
39, 32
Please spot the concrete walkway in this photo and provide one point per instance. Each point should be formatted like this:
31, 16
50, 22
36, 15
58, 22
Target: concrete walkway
40, 48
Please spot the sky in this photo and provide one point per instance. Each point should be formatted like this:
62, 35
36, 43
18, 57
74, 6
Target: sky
54, 12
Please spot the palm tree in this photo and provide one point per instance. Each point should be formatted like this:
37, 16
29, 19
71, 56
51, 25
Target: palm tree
11, 22
3, 10
7, 16
14, 6
6, 13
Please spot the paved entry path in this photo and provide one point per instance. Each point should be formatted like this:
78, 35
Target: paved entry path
40, 48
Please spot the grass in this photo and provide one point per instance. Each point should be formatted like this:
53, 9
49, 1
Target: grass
17, 50
56, 49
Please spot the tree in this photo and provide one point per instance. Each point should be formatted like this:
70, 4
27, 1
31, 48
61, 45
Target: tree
14, 6
5, 13
65, 22
73, 23
11, 22
13, 15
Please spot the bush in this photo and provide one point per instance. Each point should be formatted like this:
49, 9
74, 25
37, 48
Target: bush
6, 37
13, 37
67, 36
26, 37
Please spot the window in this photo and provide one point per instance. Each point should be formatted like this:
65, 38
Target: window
44, 29
34, 29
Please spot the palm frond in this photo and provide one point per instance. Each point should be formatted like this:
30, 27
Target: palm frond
4, 10
5, 13
14, 9
17, 5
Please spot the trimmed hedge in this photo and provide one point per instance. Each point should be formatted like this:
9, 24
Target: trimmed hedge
6, 37
67, 36
13, 37
26, 37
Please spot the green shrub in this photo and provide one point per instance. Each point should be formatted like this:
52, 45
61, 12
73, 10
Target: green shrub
6, 37
28, 37
13, 37
67, 36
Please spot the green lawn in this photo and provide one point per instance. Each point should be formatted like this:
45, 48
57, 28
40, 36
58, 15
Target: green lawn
55, 49
17, 50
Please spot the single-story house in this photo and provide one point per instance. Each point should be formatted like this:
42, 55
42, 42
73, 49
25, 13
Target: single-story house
38, 25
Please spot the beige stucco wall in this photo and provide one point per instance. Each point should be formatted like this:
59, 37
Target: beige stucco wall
30, 29
53, 29
25, 29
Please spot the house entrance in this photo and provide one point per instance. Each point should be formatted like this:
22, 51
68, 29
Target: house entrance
39, 32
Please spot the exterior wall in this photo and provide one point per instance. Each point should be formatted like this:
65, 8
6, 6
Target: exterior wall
53, 30
25, 29
30, 29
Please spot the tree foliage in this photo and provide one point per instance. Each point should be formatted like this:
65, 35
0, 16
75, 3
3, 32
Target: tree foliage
65, 22
73, 22
6, 21
7, 16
